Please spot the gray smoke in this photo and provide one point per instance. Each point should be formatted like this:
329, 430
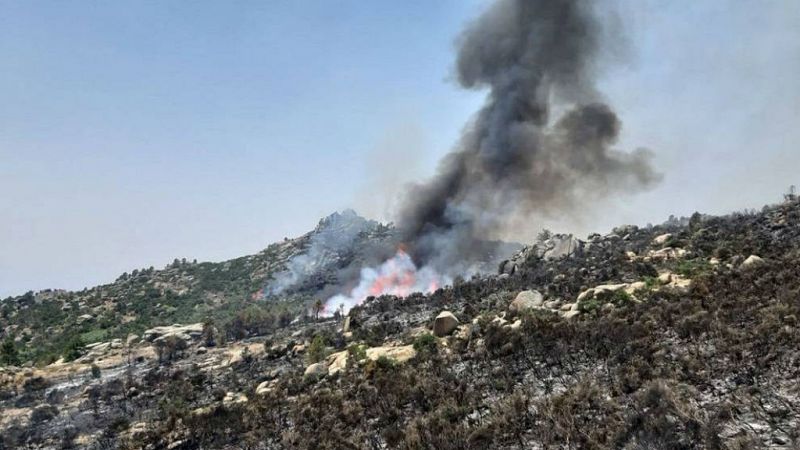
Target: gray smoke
536, 57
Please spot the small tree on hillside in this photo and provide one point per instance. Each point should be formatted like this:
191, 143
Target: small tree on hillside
791, 194
317, 308
9, 355
316, 351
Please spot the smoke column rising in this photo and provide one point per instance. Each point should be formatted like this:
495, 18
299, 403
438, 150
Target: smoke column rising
535, 57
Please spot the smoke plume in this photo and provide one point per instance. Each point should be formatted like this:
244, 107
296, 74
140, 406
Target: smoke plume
537, 58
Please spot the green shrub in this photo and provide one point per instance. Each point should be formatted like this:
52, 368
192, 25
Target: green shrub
651, 283
589, 306
425, 343
692, 268
75, 348
94, 336
357, 352
9, 355
316, 351
621, 298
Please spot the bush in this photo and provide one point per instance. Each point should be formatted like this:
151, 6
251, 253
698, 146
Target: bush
357, 352
589, 306
425, 344
75, 348
316, 351
169, 348
9, 355
621, 298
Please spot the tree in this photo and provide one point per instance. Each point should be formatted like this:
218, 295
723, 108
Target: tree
209, 333
316, 351
9, 355
317, 308
791, 194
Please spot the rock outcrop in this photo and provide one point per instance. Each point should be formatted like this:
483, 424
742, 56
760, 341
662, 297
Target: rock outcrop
184, 332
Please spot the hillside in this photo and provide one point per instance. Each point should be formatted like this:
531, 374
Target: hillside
48, 324
679, 335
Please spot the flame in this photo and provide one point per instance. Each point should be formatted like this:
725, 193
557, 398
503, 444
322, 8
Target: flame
397, 276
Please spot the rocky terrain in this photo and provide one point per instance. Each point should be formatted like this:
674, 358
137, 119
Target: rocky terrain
679, 335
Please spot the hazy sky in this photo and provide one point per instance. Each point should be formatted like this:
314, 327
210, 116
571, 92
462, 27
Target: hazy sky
135, 132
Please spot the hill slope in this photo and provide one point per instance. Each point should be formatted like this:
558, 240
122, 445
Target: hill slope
48, 323
682, 335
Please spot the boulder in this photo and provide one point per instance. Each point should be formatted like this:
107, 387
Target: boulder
552, 304
464, 332
316, 370
527, 300
667, 253
85, 318
265, 387
571, 314
561, 245
752, 261
184, 332
131, 339
399, 354
346, 325
137, 430
444, 324
500, 321
636, 286
234, 398
662, 239
337, 362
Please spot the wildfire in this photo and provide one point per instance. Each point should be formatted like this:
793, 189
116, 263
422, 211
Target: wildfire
397, 276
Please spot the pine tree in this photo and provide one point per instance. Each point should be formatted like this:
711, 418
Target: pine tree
9, 355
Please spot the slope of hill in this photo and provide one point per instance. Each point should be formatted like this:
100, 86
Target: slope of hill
682, 335
48, 324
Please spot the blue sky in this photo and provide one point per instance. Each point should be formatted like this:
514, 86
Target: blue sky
132, 133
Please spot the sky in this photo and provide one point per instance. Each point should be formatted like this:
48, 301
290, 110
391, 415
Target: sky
132, 133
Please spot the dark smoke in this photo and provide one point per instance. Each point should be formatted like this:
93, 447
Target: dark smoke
536, 57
